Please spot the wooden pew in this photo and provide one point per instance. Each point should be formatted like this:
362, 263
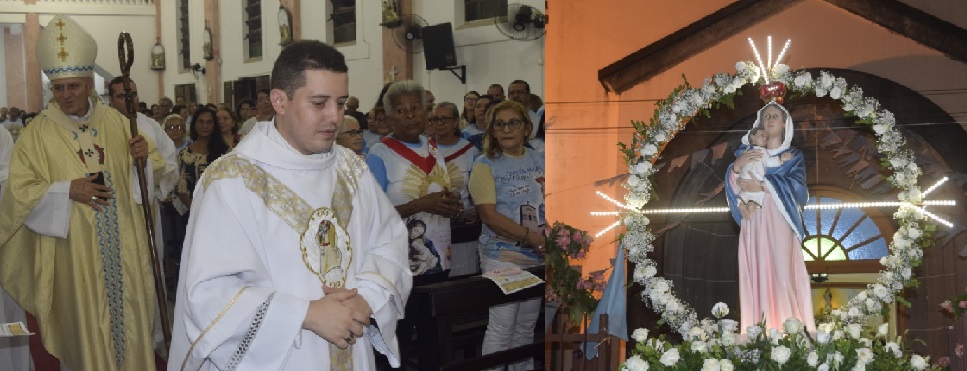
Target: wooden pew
442, 305
563, 340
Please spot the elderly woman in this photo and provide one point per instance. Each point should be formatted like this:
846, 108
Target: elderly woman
350, 136
458, 154
412, 172
507, 186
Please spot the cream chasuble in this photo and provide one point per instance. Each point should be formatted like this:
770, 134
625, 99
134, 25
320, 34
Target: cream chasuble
93, 291
268, 229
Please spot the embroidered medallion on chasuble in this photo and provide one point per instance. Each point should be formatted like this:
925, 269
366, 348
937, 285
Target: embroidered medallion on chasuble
325, 243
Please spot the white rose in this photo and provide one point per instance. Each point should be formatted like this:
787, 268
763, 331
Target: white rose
880, 128
753, 331
864, 355
860, 366
861, 296
633, 180
648, 150
853, 312
820, 92
893, 348
640, 335
740, 66
918, 362
650, 271
729, 89
695, 333
670, 357
727, 365
720, 310
914, 233
837, 358
659, 136
729, 325
699, 346
673, 306
855, 330
822, 337
774, 336
898, 162
711, 365
812, 359
635, 363
906, 272
660, 286
837, 335
880, 291
823, 367
792, 326
729, 338
780, 354
835, 92
643, 167
780, 69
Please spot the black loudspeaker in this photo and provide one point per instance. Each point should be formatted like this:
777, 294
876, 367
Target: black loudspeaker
438, 46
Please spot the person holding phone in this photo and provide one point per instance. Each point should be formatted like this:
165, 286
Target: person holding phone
73, 245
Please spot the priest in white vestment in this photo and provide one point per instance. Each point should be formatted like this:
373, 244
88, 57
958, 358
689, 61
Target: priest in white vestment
294, 259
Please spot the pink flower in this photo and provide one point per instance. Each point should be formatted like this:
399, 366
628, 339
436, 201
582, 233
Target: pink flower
563, 240
962, 304
943, 362
946, 306
578, 237
959, 350
584, 285
547, 231
580, 254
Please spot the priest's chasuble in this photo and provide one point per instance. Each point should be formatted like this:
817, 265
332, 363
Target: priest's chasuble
269, 227
85, 275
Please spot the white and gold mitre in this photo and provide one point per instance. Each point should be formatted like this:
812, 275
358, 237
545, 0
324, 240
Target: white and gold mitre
65, 49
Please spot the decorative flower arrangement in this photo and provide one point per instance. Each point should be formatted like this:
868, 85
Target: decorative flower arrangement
685, 102
574, 292
956, 305
714, 344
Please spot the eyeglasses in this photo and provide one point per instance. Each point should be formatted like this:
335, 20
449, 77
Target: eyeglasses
512, 124
436, 120
175, 127
352, 133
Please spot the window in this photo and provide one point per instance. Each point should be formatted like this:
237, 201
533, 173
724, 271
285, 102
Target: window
841, 234
184, 44
252, 27
475, 10
344, 22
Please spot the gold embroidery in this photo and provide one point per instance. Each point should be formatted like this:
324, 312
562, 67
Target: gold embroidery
210, 325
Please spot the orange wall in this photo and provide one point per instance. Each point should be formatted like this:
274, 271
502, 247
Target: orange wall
585, 123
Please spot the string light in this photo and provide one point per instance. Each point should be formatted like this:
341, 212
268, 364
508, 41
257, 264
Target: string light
938, 184
769, 58
832, 206
610, 227
758, 57
783, 52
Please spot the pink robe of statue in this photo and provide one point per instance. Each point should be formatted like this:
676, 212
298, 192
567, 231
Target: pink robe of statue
773, 281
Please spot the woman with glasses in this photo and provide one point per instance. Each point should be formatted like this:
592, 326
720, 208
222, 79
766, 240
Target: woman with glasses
458, 154
507, 186
174, 126
350, 136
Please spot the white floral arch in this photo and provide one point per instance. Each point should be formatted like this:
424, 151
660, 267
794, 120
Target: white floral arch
686, 102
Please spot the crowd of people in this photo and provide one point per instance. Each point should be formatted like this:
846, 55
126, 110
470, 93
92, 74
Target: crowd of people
426, 191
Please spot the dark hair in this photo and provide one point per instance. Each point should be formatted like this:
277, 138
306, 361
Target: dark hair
250, 101
526, 85
177, 108
495, 85
491, 147
267, 92
233, 116
382, 93
216, 144
288, 73
463, 114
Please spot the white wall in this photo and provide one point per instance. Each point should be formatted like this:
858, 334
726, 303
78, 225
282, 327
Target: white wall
489, 56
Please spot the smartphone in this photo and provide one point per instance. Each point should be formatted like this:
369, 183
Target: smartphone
100, 178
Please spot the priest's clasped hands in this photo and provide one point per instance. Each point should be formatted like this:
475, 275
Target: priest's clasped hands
339, 316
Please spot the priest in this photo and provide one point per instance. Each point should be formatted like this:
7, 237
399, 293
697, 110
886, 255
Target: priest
73, 244
294, 259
